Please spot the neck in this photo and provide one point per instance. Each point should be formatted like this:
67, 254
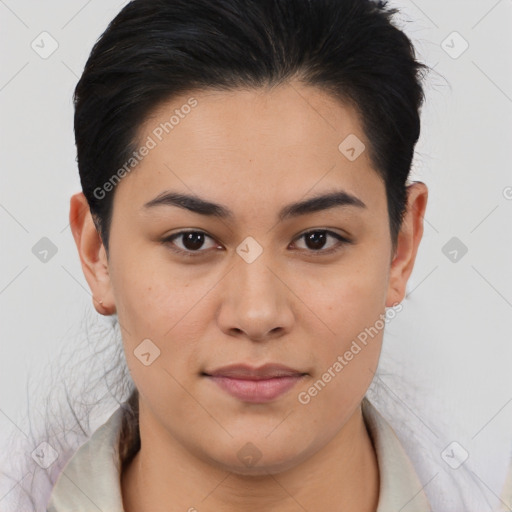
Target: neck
164, 476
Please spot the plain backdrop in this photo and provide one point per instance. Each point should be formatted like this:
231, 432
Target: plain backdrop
453, 336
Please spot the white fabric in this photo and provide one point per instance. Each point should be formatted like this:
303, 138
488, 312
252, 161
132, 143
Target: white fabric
506, 497
91, 478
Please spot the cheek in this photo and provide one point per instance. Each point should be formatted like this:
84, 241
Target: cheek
151, 296
160, 337
156, 304
351, 306
350, 296
348, 354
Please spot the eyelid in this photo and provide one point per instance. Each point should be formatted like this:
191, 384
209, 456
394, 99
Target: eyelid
342, 241
169, 239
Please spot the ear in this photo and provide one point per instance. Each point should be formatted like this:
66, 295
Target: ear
408, 242
92, 254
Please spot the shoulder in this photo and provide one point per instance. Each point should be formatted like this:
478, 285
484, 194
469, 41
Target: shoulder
506, 496
91, 477
399, 483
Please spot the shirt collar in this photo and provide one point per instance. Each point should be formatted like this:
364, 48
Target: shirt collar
506, 496
400, 488
91, 478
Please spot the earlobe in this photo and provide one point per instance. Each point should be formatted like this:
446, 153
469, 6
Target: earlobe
92, 254
408, 242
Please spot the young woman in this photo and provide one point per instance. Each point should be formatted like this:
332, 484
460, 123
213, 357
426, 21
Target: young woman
246, 217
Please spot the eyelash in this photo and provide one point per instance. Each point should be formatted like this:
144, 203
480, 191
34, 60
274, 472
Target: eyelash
321, 252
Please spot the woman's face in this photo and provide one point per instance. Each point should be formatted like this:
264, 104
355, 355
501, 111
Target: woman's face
252, 287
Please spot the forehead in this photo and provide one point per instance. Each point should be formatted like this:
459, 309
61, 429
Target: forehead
264, 143
276, 118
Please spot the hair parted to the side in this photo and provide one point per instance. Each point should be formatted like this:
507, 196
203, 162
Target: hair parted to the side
154, 50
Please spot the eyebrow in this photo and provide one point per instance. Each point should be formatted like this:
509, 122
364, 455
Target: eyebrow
203, 207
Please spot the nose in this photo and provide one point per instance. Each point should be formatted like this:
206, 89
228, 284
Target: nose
255, 302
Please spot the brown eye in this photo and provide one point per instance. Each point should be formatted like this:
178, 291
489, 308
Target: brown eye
316, 241
192, 242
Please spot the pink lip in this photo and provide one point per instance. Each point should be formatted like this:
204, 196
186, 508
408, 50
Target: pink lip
257, 385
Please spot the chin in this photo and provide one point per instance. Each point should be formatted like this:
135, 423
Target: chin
260, 469
249, 460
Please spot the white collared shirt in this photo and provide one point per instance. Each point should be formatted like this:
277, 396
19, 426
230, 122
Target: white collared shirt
91, 478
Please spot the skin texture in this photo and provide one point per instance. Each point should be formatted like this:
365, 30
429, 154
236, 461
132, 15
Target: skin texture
253, 151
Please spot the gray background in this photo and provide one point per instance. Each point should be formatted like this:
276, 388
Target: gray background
452, 339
